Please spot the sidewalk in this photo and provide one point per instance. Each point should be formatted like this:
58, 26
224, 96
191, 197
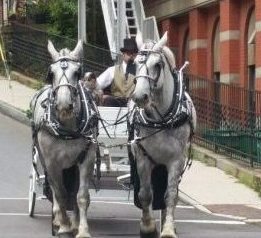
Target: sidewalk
207, 188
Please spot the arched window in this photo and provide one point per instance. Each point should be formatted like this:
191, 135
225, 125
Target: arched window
251, 60
185, 54
251, 50
216, 51
216, 70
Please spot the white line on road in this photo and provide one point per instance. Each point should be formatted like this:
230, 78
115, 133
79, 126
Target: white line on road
221, 222
105, 201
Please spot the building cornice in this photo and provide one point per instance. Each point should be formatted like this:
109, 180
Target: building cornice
170, 8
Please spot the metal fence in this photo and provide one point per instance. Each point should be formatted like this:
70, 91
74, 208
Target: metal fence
26, 49
229, 118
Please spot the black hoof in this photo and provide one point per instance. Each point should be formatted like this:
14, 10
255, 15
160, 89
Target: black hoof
153, 234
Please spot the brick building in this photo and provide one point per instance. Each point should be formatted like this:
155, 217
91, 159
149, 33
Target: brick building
220, 38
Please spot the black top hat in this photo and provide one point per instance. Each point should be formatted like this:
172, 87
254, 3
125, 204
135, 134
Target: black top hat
129, 44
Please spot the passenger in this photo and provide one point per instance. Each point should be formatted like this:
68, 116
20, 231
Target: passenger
120, 78
89, 82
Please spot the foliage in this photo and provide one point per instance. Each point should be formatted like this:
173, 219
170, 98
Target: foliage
39, 12
60, 17
96, 32
63, 17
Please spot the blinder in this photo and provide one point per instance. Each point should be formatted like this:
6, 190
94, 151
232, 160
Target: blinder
49, 76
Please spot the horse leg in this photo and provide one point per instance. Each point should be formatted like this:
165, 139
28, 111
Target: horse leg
83, 196
75, 216
59, 202
168, 229
147, 224
56, 210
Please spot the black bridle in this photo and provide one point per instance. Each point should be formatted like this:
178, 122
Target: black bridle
142, 59
64, 66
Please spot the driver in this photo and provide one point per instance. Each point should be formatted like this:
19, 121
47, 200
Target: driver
120, 78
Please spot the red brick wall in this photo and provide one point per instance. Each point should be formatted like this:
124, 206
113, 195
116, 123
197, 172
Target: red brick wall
229, 53
176, 29
198, 32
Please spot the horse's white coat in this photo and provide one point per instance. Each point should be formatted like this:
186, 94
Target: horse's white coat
58, 154
154, 94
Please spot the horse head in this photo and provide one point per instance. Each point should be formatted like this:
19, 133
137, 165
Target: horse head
64, 74
154, 64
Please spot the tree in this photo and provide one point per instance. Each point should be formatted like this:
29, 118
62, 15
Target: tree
63, 17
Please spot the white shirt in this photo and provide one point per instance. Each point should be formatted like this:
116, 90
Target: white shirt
105, 79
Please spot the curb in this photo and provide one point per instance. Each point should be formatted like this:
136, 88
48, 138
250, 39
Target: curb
14, 113
185, 198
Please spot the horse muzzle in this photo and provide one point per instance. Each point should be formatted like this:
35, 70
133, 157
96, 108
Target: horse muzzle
65, 112
141, 100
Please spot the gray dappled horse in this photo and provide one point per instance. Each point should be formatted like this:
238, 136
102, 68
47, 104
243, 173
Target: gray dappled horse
65, 134
164, 119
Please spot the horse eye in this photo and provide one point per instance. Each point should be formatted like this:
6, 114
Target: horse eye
77, 74
135, 81
158, 66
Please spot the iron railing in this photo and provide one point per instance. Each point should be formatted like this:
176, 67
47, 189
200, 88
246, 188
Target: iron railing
29, 53
229, 118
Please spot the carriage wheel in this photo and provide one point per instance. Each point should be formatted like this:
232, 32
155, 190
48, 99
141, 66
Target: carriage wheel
32, 193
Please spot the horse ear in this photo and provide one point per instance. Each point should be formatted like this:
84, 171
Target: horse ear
52, 51
162, 42
77, 53
139, 40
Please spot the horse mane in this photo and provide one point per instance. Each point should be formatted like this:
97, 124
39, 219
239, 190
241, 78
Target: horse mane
149, 44
170, 57
64, 52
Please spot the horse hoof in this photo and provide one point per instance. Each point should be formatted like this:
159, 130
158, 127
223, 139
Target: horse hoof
153, 234
83, 235
172, 235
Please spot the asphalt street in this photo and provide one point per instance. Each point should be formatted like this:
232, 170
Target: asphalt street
110, 214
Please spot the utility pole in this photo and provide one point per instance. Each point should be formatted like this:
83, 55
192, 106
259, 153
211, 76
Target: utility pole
121, 20
82, 20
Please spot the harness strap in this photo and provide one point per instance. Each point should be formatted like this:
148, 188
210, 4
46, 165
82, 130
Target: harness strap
145, 153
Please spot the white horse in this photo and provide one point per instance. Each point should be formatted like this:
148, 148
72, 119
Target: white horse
65, 135
164, 120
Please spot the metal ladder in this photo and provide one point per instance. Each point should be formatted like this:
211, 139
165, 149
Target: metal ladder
123, 19
131, 19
